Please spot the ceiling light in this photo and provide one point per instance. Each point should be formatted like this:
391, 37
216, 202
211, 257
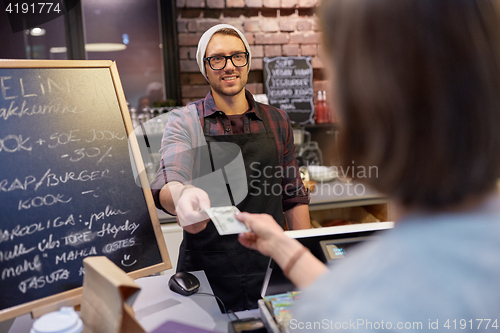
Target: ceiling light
104, 47
37, 32
61, 49
94, 47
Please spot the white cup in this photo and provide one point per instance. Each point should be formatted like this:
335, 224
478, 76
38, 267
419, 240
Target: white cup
66, 320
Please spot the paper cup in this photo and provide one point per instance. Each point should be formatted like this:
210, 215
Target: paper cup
66, 320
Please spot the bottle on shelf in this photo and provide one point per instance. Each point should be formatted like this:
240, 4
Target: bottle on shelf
329, 111
321, 109
145, 114
133, 116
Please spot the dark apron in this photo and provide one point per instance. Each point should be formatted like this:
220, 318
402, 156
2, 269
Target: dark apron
235, 273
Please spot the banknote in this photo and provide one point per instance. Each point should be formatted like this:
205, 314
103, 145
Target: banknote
224, 220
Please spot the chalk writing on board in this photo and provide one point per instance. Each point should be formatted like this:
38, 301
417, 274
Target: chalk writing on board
68, 190
288, 84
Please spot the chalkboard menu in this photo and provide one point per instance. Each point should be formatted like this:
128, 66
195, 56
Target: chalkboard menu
289, 87
67, 189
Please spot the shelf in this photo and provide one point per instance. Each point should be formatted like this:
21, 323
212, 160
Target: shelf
323, 125
335, 202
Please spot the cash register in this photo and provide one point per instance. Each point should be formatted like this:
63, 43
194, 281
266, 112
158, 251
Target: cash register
328, 244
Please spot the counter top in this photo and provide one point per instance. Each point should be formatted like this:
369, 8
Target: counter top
327, 195
336, 194
156, 304
164, 217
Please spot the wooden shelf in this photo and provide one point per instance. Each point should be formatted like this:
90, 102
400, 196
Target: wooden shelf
323, 125
330, 207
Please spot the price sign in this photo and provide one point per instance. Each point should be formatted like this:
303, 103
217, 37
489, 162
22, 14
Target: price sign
289, 87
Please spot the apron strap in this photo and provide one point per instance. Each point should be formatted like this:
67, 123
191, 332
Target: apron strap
206, 130
264, 120
206, 125
229, 192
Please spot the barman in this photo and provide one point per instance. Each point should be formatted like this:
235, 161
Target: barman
200, 136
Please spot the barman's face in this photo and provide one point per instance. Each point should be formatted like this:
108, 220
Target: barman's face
231, 80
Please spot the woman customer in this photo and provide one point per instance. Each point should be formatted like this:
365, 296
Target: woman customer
416, 85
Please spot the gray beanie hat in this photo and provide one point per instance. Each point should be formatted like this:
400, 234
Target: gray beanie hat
207, 36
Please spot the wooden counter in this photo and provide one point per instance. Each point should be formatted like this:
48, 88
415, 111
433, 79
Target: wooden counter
338, 194
338, 203
338, 200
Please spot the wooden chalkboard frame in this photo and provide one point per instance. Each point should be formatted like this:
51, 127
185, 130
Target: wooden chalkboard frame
73, 297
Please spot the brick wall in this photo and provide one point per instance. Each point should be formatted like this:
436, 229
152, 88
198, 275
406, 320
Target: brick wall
272, 28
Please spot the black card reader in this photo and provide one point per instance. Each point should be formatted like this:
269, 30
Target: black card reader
250, 325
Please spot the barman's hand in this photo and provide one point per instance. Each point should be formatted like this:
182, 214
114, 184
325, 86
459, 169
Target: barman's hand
189, 204
186, 201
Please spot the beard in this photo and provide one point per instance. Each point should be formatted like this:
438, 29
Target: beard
233, 91
228, 91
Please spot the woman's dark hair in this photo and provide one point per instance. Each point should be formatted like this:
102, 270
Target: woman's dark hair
417, 86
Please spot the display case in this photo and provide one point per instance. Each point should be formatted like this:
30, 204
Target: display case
345, 202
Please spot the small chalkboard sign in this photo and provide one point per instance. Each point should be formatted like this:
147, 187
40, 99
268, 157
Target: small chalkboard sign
67, 186
289, 87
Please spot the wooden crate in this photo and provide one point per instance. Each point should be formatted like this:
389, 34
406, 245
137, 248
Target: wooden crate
350, 215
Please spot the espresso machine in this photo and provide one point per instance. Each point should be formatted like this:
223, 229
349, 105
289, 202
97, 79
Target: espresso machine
307, 151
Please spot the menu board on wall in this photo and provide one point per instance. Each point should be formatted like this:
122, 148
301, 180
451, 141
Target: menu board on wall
289, 86
67, 187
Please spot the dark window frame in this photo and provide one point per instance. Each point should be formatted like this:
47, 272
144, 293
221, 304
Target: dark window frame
75, 42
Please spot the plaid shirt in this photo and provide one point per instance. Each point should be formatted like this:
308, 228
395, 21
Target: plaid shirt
184, 131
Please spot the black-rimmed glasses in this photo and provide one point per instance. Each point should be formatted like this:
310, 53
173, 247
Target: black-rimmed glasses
218, 62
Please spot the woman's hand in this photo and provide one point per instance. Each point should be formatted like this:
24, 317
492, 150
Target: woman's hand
267, 237
265, 232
